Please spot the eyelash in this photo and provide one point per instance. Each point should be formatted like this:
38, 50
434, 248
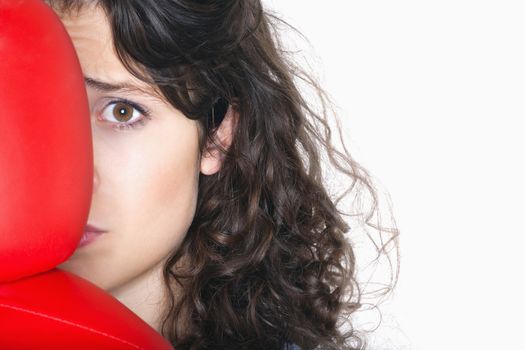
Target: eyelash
126, 126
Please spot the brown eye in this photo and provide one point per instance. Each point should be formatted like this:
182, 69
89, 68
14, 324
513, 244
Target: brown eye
122, 112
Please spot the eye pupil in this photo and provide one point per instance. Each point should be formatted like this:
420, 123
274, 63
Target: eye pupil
122, 112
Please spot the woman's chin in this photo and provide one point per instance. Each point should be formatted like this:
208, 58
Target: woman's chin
81, 268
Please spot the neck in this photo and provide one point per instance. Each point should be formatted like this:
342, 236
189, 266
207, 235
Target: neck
144, 295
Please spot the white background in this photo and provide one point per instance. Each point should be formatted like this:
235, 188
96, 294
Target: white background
432, 95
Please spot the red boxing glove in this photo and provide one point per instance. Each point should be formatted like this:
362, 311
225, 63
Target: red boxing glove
46, 179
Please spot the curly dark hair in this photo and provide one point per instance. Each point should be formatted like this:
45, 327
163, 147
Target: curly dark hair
265, 261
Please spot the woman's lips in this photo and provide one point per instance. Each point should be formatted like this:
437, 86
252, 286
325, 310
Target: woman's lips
93, 228
91, 233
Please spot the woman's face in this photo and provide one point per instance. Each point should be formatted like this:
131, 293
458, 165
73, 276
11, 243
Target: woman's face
145, 181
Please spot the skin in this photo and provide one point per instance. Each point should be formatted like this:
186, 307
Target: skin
146, 178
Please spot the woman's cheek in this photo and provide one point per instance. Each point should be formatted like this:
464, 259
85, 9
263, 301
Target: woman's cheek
165, 171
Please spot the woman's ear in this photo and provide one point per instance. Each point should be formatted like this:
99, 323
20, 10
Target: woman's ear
212, 159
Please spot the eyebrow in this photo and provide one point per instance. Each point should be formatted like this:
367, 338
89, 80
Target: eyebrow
103, 86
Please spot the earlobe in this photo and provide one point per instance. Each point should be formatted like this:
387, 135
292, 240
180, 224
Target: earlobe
212, 158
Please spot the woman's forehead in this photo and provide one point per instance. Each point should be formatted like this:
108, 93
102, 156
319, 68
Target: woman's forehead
91, 34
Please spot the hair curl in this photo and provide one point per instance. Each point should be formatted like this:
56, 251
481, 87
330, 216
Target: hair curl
265, 261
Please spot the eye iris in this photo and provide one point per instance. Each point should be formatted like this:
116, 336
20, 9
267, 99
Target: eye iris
122, 112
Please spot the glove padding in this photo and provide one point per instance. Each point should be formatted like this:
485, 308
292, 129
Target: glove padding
46, 179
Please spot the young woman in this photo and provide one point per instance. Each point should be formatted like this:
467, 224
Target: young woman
217, 228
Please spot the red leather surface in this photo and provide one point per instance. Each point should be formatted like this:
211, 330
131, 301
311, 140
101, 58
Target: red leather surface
58, 310
46, 162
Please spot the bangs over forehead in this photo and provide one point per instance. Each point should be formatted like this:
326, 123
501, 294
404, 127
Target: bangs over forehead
154, 49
